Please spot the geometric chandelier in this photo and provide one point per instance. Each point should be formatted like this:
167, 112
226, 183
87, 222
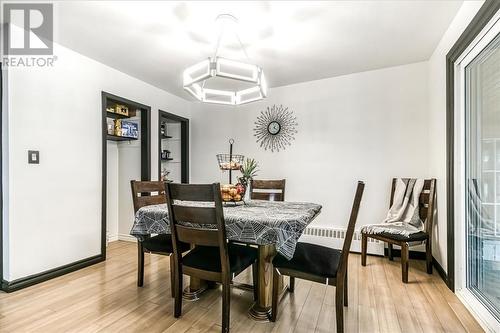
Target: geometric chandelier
196, 77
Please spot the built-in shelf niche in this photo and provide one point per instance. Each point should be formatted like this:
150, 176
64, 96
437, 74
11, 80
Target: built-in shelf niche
132, 113
173, 136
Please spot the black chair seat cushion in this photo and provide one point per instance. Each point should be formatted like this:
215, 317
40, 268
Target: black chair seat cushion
312, 259
417, 237
162, 243
207, 258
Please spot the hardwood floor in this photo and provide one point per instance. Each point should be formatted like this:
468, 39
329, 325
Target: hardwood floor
105, 298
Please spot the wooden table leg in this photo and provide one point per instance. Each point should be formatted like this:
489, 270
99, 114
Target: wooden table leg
196, 287
261, 310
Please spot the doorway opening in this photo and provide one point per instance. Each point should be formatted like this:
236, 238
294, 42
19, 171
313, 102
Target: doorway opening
476, 175
126, 155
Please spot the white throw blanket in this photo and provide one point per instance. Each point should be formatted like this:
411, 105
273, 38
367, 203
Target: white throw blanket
404, 216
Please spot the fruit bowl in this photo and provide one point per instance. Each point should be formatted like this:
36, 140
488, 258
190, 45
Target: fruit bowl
232, 193
230, 161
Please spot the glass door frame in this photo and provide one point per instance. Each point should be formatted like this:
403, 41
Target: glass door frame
469, 297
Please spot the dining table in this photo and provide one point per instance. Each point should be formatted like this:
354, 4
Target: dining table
272, 226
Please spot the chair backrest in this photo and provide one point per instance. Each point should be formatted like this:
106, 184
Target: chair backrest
197, 218
145, 193
350, 227
426, 201
271, 190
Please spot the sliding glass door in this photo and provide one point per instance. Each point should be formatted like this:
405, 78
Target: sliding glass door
481, 104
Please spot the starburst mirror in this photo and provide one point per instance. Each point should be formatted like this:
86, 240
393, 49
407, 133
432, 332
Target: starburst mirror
275, 128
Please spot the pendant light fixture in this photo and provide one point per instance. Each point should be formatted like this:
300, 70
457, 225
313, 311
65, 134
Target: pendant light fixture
196, 78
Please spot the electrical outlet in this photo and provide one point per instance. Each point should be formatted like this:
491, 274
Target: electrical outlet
33, 157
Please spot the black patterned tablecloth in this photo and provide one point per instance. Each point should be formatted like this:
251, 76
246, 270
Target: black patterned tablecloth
257, 222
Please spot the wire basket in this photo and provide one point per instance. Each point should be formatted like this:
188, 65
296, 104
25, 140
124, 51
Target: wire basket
232, 193
230, 162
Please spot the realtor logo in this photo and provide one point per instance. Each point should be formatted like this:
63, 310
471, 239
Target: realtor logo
31, 29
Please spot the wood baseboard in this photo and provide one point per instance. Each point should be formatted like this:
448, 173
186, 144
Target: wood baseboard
10, 286
440, 271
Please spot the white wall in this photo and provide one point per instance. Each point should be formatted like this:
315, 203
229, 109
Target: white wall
124, 164
437, 121
370, 126
112, 188
54, 208
5, 170
129, 167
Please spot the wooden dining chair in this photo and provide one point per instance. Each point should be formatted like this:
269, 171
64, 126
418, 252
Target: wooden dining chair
426, 210
145, 193
202, 224
271, 190
320, 264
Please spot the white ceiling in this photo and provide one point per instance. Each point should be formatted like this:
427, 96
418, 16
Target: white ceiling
293, 41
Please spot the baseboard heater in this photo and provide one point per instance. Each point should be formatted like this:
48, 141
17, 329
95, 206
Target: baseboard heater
334, 237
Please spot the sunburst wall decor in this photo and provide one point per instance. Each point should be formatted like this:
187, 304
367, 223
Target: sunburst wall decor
275, 128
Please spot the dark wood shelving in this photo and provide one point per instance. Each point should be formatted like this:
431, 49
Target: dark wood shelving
116, 115
120, 138
182, 140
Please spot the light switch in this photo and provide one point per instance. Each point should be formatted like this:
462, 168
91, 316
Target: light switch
33, 157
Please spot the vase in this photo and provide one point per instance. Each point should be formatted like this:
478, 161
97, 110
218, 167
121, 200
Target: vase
248, 189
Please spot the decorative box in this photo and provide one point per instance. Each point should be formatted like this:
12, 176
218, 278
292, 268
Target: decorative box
118, 127
130, 129
121, 109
